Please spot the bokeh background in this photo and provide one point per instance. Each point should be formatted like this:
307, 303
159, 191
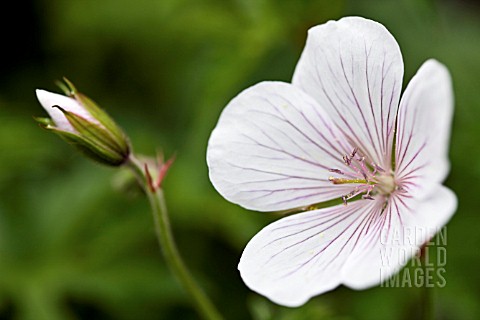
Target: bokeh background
77, 243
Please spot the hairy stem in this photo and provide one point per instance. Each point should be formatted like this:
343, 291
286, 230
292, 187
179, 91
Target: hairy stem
169, 248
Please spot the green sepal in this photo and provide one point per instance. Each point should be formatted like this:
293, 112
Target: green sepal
65, 87
93, 131
103, 118
90, 149
98, 113
44, 122
97, 139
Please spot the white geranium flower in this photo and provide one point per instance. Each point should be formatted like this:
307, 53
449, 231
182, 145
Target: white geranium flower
338, 131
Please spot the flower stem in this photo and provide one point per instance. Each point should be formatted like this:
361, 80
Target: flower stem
428, 311
167, 243
172, 256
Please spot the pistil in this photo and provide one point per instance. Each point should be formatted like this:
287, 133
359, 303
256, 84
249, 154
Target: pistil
344, 181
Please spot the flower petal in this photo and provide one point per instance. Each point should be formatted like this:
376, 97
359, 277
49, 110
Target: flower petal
423, 129
354, 69
301, 256
272, 150
49, 99
405, 225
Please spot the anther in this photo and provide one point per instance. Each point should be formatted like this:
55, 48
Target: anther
354, 152
337, 180
348, 158
336, 171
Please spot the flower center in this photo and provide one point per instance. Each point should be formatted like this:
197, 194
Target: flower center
385, 184
369, 179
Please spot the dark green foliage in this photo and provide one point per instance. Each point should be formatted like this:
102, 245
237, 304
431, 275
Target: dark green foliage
72, 247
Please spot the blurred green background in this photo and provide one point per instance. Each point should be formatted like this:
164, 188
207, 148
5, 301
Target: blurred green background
73, 245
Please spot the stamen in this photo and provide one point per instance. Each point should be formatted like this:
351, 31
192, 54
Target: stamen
368, 196
354, 193
370, 178
363, 167
376, 168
